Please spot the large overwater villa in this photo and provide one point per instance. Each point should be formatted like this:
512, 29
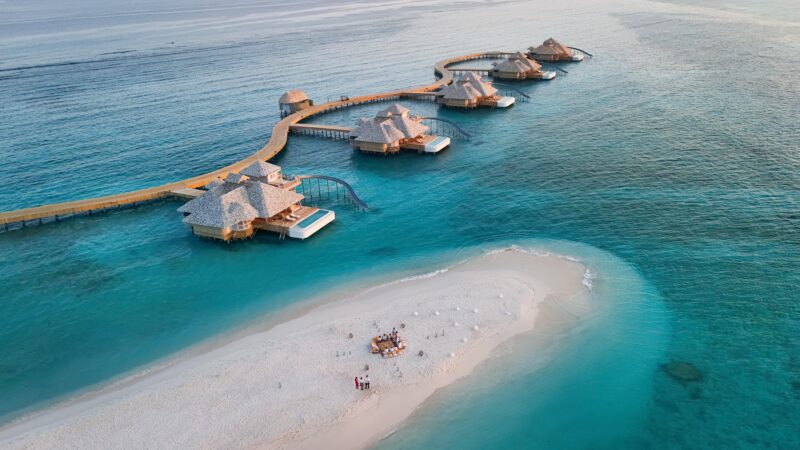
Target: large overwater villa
470, 91
234, 208
553, 51
393, 129
519, 67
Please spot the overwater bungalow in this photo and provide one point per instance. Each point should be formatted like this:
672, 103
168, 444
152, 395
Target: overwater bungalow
553, 51
470, 91
293, 101
519, 67
393, 129
270, 174
239, 206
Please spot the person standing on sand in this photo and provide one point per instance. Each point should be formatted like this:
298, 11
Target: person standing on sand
356, 378
361, 382
367, 381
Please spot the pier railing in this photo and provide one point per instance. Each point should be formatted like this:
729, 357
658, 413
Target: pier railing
431, 96
584, 52
323, 131
317, 187
508, 91
484, 72
444, 127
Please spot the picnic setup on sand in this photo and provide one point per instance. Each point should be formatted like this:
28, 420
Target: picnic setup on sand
388, 345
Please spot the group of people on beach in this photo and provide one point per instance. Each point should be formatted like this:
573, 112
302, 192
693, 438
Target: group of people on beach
388, 344
362, 382
393, 336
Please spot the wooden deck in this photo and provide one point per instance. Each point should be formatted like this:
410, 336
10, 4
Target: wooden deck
281, 225
187, 193
55, 211
327, 131
311, 126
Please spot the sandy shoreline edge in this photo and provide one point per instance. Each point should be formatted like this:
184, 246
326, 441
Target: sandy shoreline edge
291, 386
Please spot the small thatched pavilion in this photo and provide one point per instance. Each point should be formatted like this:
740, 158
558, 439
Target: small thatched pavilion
552, 51
293, 101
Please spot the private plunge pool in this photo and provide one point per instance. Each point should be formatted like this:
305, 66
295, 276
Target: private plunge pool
311, 224
437, 144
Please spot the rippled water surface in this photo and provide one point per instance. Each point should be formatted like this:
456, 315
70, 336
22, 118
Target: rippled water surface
672, 157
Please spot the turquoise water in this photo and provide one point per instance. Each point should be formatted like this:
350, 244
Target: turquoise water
308, 221
675, 169
597, 381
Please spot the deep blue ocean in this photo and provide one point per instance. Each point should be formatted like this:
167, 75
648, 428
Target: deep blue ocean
669, 163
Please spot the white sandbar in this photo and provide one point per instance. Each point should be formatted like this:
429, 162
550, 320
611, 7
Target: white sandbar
287, 388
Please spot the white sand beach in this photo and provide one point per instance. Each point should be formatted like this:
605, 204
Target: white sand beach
292, 386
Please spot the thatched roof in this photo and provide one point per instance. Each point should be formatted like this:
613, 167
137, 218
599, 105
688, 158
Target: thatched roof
260, 169
461, 91
410, 128
518, 63
511, 66
293, 96
380, 132
235, 178
551, 47
215, 192
223, 211
213, 183
523, 59
396, 118
393, 110
483, 87
227, 205
359, 128
269, 200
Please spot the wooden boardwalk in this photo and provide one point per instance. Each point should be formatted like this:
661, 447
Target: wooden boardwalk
328, 131
57, 211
